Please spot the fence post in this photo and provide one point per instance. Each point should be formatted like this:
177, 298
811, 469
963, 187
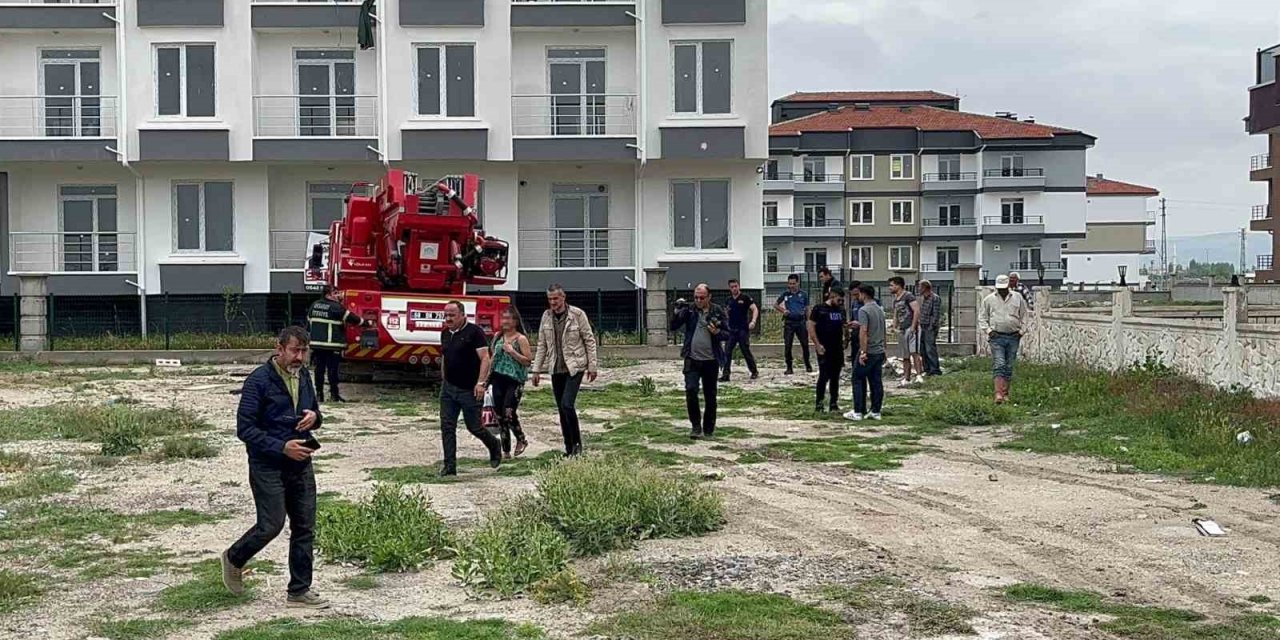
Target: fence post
289, 309
166, 321
656, 306
1121, 308
600, 310
965, 308
1231, 305
17, 322
49, 322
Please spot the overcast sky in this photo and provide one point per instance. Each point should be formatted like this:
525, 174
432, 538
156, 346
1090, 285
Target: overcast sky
1163, 84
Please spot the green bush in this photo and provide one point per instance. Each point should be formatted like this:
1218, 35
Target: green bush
955, 409
563, 587
602, 503
122, 438
394, 530
186, 449
511, 550
646, 388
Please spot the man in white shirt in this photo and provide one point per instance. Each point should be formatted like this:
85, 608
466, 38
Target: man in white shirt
1001, 318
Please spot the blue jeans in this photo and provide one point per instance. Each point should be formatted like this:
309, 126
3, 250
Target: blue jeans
1004, 352
868, 377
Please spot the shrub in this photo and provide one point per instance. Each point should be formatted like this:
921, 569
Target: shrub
602, 503
122, 438
647, 388
955, 409
563, 587
394, 530
17, 589
186, 449
511, 550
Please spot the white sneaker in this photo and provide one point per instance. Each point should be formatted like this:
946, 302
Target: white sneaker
904, 383
853, 415
874, 416
919, 379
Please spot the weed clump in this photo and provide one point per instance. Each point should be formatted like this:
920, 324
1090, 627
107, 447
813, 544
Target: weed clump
186, 449
513, 548
17, 590
962, 410
394, 530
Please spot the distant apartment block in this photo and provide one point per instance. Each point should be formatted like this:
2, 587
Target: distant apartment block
877, 184
1264, 119
1118, 224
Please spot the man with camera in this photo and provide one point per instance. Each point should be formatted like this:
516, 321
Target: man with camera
701, 352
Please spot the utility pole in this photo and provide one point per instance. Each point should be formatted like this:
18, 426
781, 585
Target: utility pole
1243, 250
1164, 243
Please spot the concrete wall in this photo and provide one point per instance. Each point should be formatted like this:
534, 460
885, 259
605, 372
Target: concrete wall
1258, 294
1118, 208
1103, 268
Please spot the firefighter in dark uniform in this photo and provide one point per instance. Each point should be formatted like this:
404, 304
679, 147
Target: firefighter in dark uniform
327, 319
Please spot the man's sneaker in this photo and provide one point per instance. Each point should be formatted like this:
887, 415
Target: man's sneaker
817, 408
307, 600
835, 408
904, 383
854, 416
919, 379
448, 472
696, 434
232, 576
809, 370
789, 372
755, 375
874, 416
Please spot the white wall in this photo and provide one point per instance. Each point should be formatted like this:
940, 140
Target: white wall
20, 58
1117, 208
33, 194
1063, 212
968, 250
535, 194
1102, 268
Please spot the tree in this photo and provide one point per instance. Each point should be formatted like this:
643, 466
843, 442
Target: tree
1222, 270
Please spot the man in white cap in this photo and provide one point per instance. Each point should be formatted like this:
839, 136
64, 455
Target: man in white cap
1001, 318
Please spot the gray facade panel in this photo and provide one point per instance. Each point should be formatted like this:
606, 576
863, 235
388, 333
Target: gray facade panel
201, 278
445, 144
701, 143
8, 285
885, 140
180, 13
949, 140
354, 149
824, 141
62, 16
704, 11
574, 149
577, 280
784, 144
442, 13
313, 15
685, 276
287, 282
569, 15
91, 285
56, 150
184, 145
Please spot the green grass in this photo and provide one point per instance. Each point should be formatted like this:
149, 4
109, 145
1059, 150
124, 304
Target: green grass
97, 561
96, 423
204, 592
512, 549
393, 530
430, 474
1259, 599
37, 484
185, 448
138, 629
18, 590
60, 523
856, 452
563, 587
177, 342
361, 582
882, 599
724, 615
406, 629
11, 461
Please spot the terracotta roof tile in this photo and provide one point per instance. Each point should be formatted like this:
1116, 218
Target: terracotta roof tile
866, 96
1099, 186
923, 118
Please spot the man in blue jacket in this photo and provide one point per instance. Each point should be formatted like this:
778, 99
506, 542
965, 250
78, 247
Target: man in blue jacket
277, 415
701, 352
794, 307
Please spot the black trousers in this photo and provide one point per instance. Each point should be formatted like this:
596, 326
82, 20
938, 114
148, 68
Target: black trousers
739, 338
325, 363
278, 493
705, 373
929, 351
790, 331
830, 364
565, 388
506, 399
869, 375
453, 401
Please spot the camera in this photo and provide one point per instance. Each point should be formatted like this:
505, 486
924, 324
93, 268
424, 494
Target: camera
681, 303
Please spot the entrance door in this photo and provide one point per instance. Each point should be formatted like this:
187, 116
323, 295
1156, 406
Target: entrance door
581, 219
89, 226
72, 106
577, 79
326, 90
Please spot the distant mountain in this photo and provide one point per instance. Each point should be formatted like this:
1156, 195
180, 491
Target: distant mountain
1218, 247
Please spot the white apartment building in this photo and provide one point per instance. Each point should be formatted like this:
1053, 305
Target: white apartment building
1120, 218
190, 146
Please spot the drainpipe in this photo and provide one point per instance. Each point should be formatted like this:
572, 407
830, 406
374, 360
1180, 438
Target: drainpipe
642, 131
122, 154
384, 132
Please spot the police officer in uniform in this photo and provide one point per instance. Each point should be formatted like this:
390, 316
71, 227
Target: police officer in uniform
326, 319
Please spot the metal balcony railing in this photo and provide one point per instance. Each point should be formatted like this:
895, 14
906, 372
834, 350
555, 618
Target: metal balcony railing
317, 116
574, 115
948, 222
1149, 246
306, 1
1266, 262
784, 176
802, 269
937, 268
1262, 161
57, 116
801, 223
1260, 212
71, 252
1012, 220
57, 2
1035, 266
1013, 173
951, 177
577, 248
820, 177
558, 1
291, 248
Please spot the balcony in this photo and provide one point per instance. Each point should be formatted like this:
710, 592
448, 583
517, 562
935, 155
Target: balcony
949, 182
779, 181
57, 128
1030, 271
442, 13
305, 14
574, 126
1001, 226
1260, 218
1265, 263
315, 127
42, 14
290, 249
71, 253
611, 248
801, 228
1264, 98
1260, 168
937, 272
1013, 179
940, 229
1149, 247
809, 182
572, 13
807, 272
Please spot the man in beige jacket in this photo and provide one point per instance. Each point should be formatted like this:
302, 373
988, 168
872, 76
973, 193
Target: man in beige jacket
566, 350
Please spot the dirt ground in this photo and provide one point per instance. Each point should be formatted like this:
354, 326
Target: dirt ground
953, 522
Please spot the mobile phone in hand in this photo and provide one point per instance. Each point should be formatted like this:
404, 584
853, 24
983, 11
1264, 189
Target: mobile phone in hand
311, 443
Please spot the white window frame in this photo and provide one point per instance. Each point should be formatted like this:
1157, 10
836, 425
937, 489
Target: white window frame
897, 252
698, 78
442, 78
764, 215
805, 215
815, 251
774, 254
937, 251
944, 217
1039, 252
870, 252
904, 158
312, 197
182, 81
697, 227
898, 207
1013, 158
858, 220
1010, 202
173, 195
856, 161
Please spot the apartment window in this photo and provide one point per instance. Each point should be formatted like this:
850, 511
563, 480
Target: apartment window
902, 212
88, 221
862, 168
325, 204
1011, 211
770, 214
771, 170
860, 258
815, 215
949, 167
446, 84
185, 80
326, 88
1028, 257
902, 167
862, 212
700, 214
815, 169
901, 258
948, 258
204, 219
814, 259
1011, 166
580, 215
703, 77
949, 215
577, 81
69, 82
771, 261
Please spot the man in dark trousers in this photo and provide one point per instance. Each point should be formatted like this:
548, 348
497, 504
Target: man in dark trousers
827, 331
742, 315
868, 357
464, 367
794, 307
702, 324
277, 415
327, 318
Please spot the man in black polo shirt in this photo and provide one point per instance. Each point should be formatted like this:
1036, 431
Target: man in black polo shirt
465, 369
743, 315
827, 330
